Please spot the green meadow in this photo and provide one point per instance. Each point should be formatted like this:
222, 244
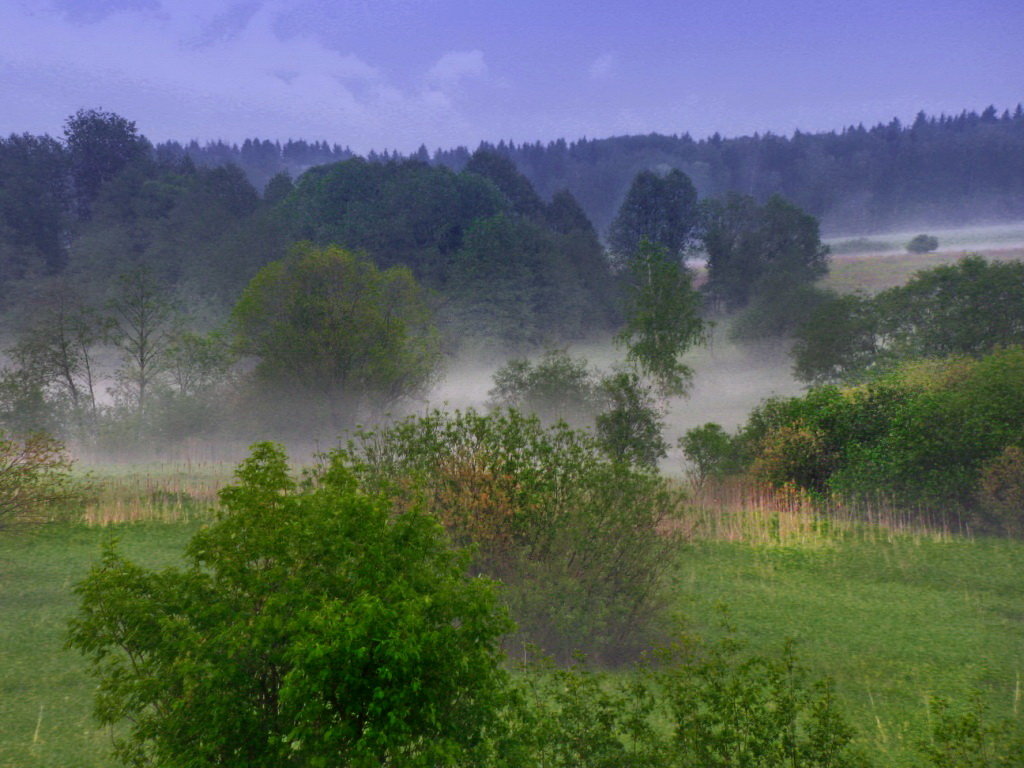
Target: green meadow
894, 616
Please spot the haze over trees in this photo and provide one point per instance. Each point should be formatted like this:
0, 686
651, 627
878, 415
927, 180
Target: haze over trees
954, 169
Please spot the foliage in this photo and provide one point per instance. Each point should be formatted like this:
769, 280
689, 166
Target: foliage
662, 318
969, 308
732, 708
1001, 491
660, 209
923, 244
630, 426
555, 387
968, 738
711, 452
311, 627
755, 249
100, 144
920, 436
838, 342
57, 350
577, 538
35, 477
143, 321
327, 323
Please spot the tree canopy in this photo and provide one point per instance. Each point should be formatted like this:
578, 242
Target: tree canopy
310, 627
327, 322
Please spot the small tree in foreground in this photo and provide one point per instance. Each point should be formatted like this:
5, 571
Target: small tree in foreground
311, 627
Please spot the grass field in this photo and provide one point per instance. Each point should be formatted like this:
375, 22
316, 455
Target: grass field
893, 616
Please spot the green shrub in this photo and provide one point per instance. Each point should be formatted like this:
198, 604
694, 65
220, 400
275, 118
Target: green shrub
710, 451
35, 478
1002, 489
923, 244
577, 537
555, 387
967, 737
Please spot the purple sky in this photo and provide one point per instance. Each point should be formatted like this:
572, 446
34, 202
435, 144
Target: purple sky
395, 73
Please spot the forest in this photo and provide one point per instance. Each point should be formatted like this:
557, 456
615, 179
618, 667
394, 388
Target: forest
560, 573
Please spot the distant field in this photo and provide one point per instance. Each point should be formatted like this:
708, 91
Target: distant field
875, 262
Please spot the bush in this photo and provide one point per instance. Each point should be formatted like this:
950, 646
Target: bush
923, 244
710, 451
729, 708
35, 478
1002, 489
555, 387
311, 627
575, 536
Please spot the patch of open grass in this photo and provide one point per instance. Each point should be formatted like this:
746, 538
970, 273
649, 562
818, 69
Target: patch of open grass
45, 694
876, 272
892, 620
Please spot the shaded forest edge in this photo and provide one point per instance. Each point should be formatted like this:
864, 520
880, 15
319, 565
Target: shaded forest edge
938, 170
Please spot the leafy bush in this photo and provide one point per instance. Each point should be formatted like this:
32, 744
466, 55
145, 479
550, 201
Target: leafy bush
311, 627
629, 430
575, 536
35, 477
967, 737
1002, 489
555, 387
922, 435
973, 307
711, 452
729, 708
922, 244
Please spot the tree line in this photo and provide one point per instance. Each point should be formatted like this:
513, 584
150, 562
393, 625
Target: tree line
956, 169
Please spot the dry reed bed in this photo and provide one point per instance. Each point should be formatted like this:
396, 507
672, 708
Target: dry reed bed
756, 514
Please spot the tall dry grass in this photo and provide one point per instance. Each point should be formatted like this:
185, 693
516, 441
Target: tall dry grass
161, 493
741, 510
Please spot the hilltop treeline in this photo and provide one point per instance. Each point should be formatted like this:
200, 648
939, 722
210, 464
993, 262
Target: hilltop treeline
501, 262
953, 169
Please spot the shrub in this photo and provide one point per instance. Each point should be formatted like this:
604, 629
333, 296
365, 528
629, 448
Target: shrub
35, 477
555, 387
730, 708
575, 536
967, 737
710, 451
1002, 489
311, 627
922, 244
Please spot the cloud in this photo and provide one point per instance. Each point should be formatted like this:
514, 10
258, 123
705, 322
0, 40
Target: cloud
603, 66
221, 71
455, 67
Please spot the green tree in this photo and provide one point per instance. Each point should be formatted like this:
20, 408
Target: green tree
143, 319
630, 426
710, 451
662, 318
661, 209
58, 350
327, 323
100, 144
554, 387
923, 244
310, 627
756, 248
575, 536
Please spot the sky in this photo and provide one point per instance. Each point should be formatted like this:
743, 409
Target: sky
394, 74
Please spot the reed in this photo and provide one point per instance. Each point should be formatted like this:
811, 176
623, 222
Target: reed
740, 510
